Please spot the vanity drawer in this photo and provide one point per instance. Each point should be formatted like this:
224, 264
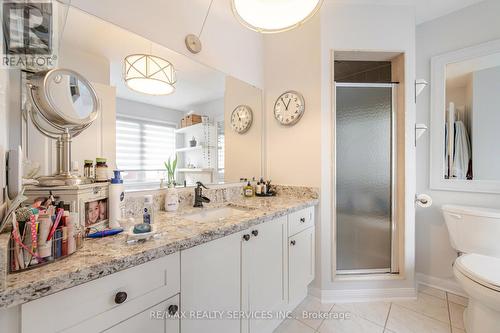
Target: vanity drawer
300, 220
69, 307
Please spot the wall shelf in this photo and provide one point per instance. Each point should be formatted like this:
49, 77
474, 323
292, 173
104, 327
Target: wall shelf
190, 128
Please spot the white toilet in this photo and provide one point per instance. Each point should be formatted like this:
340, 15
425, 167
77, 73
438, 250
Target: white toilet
475, 234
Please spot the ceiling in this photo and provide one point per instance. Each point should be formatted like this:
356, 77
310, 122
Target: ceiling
425, 10
196, 83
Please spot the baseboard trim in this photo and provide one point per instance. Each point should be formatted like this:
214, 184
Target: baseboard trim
363, 295
450, 285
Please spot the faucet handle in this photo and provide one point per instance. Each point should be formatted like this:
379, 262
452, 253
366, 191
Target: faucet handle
200, 184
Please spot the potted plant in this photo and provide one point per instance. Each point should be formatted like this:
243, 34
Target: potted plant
171, 197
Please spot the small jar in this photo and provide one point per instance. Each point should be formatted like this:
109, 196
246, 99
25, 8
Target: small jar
88, 169
101, 170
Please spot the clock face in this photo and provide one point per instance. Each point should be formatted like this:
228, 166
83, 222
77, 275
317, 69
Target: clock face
241, 119
289, 108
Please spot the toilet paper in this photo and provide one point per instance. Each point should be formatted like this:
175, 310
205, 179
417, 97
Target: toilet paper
424, 200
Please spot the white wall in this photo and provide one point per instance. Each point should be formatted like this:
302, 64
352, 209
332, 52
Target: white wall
348, 27
302, 154
227, 45
213, 109
147, 111
470, 26
94, 68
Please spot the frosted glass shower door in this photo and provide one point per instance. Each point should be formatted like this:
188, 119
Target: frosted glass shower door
364, 177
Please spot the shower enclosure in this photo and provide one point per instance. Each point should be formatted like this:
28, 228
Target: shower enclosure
365, 177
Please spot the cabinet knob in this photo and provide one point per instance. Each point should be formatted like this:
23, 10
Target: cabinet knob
302, 220
120, 297
172, 309
293, 243
255, 232
246, 237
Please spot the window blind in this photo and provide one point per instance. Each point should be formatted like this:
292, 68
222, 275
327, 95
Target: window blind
142, 146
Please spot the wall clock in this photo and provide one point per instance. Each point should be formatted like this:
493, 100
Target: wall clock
241, 119
289, 108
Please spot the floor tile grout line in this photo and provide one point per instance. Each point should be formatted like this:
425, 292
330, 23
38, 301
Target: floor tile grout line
387, 318
449, 312
423, 314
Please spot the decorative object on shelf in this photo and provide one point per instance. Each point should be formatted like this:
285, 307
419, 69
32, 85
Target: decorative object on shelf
274, 16
289, 108
62, 104
192, 142
192, 41
241, 119
149, 74
171, 166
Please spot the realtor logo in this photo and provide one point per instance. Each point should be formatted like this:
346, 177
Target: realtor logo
28, 34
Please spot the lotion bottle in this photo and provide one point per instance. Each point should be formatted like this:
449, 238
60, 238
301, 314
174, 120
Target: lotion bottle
116, 197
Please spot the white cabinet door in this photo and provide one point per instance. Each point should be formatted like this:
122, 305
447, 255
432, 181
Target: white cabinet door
210, 282
157, 319
264, 275
300, 264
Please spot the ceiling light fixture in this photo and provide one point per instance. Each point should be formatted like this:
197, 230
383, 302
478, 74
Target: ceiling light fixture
149, 74
271, 16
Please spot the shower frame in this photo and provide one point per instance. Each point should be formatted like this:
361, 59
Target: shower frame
394, 269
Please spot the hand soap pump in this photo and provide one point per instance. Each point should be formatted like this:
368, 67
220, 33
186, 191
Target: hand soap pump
148, 210
116, 197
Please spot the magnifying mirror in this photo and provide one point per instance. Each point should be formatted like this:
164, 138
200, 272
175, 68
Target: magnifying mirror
64, 104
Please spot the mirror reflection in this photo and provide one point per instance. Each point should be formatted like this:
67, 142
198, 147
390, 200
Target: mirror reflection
72, 97
157, 106
472, 116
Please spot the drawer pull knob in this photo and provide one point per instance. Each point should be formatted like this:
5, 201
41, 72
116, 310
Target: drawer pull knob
255, 233
293, 243
120, 297
246, 237
172, 309
302, 220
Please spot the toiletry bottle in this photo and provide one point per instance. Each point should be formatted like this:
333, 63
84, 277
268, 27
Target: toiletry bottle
148, 211
264, 187
248, 190
101, 170
116, 197
258, 188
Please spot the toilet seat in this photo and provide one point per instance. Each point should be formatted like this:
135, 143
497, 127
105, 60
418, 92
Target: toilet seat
481, 269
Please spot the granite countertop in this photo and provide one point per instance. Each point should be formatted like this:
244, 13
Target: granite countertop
101, 257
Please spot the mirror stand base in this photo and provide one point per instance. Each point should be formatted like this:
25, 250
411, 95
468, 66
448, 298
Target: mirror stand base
63, 180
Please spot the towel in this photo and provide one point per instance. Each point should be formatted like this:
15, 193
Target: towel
462, 153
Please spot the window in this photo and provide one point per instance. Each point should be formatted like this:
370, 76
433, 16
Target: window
142, 147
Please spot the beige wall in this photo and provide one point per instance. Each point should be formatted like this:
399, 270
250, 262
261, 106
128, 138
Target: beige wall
292, 61
243, 152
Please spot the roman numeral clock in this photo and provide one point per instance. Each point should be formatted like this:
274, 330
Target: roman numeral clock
289, 108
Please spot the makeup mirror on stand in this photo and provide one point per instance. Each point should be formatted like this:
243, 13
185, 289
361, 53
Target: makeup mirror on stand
63, 104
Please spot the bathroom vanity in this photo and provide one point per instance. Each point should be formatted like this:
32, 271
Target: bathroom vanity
257, 261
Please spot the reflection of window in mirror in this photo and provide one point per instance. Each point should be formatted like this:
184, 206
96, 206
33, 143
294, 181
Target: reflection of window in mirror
472, 114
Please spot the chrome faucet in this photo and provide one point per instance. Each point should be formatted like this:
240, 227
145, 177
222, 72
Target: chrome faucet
199, 199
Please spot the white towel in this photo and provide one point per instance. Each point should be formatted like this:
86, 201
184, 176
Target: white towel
462, 152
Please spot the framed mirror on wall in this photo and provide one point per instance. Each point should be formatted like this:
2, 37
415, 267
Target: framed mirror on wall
465, 119
138, 130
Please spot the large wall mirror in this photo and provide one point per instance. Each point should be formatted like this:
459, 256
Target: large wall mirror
465, 135
138, 132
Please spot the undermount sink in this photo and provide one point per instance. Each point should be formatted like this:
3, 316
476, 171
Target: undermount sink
215, 214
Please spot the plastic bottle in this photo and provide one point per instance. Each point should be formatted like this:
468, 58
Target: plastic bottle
116, 197
148, 210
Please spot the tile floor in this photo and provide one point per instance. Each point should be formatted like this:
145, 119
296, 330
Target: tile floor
434, 311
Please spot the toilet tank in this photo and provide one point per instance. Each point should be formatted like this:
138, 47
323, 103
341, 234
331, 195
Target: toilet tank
473, 229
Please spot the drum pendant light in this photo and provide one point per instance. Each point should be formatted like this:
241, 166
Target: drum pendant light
149, 74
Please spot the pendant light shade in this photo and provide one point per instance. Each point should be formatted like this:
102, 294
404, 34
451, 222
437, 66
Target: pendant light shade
149, 74
270, 16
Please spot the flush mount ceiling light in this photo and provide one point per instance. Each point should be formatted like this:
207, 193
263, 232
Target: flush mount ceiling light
271, 16
149, 74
